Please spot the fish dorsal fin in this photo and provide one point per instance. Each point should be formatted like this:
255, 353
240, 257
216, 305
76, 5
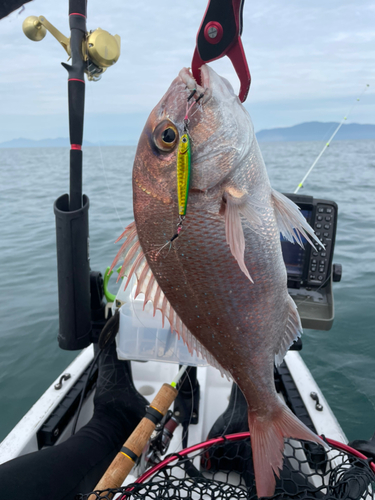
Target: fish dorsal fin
292, 332
235, 206
292, 224
135, 263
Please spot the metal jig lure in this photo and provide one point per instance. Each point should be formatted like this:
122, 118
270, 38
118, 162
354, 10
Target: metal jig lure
183, 169
183, 173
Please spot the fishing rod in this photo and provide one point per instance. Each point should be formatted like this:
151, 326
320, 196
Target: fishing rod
80, 290
127, 457
300, 185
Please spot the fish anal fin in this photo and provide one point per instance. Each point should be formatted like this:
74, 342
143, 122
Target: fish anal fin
267, 442
292, 224
292, 332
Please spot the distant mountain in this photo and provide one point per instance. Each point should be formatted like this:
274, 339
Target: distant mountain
317, 131
60, 142
310, 131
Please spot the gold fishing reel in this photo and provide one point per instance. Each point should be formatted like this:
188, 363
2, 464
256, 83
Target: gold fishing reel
100, 49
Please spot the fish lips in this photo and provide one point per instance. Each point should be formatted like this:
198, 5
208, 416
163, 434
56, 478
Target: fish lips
212, 84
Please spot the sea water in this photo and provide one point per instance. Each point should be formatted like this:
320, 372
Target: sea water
342, 360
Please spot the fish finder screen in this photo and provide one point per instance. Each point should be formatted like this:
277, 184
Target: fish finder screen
294, 255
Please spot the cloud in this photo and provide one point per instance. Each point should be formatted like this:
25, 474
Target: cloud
297, 53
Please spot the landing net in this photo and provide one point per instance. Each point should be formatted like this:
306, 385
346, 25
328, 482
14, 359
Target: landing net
222, 469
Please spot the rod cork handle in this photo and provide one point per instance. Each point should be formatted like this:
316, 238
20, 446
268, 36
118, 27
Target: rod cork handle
125, 459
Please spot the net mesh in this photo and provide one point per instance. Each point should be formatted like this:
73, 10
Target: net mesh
224, 470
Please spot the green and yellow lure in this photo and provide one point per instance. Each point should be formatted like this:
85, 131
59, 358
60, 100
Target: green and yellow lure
183, 170
183, 173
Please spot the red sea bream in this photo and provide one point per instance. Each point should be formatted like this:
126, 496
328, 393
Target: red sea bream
222, 283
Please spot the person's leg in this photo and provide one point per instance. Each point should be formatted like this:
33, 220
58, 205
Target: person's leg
75, 466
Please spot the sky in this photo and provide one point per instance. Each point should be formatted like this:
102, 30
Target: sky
309, 61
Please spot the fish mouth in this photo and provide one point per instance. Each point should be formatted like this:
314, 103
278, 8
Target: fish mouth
191, 83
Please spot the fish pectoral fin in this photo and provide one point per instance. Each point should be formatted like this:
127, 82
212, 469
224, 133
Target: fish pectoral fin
238, 204
292, 332
292, 224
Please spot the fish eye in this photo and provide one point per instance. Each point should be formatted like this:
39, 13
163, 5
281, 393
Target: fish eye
169, 135
165, 136
184, 139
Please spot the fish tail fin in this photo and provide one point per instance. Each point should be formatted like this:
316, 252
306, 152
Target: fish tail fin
267, 442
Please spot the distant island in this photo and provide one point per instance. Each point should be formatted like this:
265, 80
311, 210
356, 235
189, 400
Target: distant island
309, 131
317, 131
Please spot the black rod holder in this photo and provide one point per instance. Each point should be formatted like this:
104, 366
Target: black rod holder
73, 269
71, 212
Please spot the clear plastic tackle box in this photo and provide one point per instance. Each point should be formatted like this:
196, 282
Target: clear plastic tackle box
142, 336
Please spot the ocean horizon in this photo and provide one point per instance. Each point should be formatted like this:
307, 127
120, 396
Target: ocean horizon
307, 131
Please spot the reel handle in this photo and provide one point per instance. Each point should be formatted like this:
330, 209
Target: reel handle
125, 459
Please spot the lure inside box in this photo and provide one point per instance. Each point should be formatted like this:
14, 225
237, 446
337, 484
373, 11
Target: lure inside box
142, 336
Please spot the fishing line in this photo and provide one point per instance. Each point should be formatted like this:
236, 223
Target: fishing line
233, 410
247, 224
110, 194
204, 451
169, 242
173, 332
174, 246
300, 185
199, 108
185, 433
328, 132
108, 188
179, 375
147, 253
144, 305
83, 393
316, 290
